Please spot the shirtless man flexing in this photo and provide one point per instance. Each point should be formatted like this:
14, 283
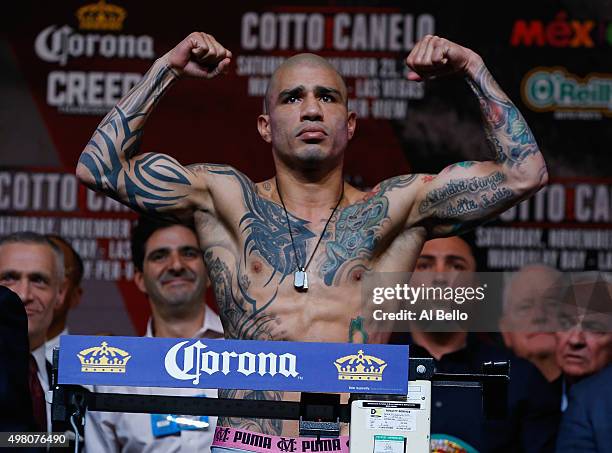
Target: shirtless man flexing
286, 255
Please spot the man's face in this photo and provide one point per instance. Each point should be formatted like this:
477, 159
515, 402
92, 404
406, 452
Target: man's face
30, 271
444, 263
528, 322
444, 258
173, 268
308, 121
586, 346
584, 337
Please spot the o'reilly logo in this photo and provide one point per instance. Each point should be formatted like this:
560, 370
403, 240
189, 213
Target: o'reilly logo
190, 362
554, 89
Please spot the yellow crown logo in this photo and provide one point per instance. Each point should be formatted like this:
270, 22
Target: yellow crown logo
360, 367
103, 359
101, 16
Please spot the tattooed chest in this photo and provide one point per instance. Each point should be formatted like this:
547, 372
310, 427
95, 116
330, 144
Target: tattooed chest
244, 312
354, 240
281, 243
253, 283
349, 241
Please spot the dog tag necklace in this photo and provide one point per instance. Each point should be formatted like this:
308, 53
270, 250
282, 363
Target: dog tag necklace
300, 277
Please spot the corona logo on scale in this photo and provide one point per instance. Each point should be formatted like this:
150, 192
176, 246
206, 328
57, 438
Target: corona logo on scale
360, 367
103, 359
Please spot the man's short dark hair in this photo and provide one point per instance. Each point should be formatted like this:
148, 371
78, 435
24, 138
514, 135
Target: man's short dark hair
470, 239
141, 232
74, 275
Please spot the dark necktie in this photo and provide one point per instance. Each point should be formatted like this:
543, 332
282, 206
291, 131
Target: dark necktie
39, 406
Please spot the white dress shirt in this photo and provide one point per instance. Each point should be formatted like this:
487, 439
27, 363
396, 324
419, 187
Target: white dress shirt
110, 432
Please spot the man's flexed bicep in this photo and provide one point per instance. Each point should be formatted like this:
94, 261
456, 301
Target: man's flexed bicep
464, 195
153, 183
468, 193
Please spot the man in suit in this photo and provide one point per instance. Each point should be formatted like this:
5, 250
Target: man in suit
457, 419
33, 267
584, 336
586, 425
15, 402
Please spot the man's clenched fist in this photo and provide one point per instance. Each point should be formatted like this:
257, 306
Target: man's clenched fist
433, 57
199, 55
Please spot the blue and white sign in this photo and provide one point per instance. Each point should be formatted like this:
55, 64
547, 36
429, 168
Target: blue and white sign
233, 364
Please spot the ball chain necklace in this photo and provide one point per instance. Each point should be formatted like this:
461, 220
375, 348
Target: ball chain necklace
300, 277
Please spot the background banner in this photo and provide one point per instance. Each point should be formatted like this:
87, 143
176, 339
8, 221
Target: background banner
66, 64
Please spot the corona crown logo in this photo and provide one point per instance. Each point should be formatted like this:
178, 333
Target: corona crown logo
101, 16
103, 359
360, 367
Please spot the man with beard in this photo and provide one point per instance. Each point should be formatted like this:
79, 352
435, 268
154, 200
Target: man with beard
170, 271
457, 420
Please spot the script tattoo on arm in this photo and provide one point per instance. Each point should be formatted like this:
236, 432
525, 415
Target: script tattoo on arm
110, 163
357, 231
467, 193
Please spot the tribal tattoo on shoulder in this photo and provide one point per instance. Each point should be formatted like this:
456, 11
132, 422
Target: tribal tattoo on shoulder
151, 182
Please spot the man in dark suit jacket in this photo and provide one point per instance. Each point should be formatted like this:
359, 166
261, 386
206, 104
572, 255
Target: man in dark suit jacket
33, 267
586, 426
15, 403
457, 418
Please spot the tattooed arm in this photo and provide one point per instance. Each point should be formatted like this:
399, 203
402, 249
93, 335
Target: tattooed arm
151, 182
465, 194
